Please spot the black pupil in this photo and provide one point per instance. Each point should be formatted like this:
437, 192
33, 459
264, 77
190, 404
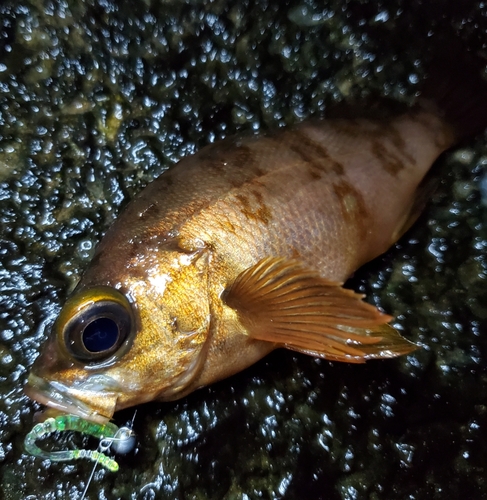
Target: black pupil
100, 335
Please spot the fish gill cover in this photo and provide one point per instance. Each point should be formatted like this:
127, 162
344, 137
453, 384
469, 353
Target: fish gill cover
99, 97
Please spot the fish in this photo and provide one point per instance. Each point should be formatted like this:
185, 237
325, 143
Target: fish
243, 248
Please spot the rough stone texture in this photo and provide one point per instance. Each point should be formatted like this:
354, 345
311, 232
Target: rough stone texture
98, 98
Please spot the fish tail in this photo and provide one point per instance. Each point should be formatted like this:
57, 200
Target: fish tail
457, 87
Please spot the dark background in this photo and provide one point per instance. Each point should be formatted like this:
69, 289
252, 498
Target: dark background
97, 99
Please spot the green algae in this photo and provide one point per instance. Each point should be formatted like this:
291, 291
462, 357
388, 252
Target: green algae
99, 97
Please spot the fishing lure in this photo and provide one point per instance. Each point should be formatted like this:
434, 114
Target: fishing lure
122, 439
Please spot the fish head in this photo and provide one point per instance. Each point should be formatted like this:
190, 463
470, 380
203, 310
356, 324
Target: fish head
116, 345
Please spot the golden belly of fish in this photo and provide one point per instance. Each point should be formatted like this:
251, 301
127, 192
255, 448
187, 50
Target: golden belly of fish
240, 249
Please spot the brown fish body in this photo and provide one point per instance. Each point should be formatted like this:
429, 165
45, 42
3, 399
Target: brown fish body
333, 194
289, 214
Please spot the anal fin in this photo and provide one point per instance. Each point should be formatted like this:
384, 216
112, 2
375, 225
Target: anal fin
280, 301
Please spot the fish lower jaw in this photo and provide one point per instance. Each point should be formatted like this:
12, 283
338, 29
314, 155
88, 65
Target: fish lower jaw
66, 402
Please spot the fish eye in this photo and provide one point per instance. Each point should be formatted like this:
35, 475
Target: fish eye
100, 335
95, 324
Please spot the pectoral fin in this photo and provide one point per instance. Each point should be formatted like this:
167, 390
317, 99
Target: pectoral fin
280, 301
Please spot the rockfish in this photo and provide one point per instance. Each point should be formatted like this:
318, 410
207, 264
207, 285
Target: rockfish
242, 248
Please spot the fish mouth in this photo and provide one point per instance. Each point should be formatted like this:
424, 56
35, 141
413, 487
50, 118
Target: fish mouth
73, 401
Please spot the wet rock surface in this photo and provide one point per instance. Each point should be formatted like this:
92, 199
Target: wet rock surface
97, 99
